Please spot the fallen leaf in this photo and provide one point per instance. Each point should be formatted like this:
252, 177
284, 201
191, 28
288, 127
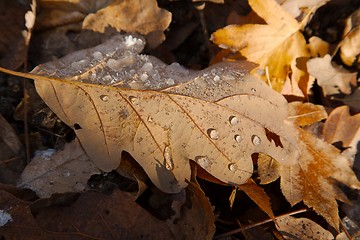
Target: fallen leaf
12, 160
140, 16
268, 169
118, 217
350, 45
12, 42
197, 218
311, 180
341, 127
301, 228
275, 46
160, 129
51, 172
258, 195
318, 47
331, 79
303, 114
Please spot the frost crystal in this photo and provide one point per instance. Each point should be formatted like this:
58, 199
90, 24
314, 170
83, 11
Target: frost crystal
4, 218
131, 41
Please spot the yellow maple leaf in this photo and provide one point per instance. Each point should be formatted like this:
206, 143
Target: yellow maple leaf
278, 47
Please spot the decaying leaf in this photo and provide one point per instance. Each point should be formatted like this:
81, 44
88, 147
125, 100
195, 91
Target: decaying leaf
332, 79
278, 46
297, 7
57, 172
91, 216
217, 117
268, 169
341, 127
301, 228
318, 47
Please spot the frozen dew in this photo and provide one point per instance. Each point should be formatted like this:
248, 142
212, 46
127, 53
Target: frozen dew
150, 119
253, 90
169, 165
147, 67
4, 218
260, 71
134, 100
216, 78
232, 167
97, 55
104, 98
144, 77
170, 81
233, 120
79, 65
137, 85
66, 174
256, 140
203, 161
238, 138
131, 41
213, 134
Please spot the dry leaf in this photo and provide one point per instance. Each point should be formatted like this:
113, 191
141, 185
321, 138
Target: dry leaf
206, 117
117, 217
51, 172
332, 79
268, 169
302, 114
350, 45
196, 220
311, 180
141, 16
318, 47
341, 127
301, 228
12, 160
276, 46
258, 195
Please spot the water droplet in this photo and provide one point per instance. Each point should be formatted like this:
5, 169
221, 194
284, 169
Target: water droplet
169, 165
105, 98
134, 100
170, 81
203, 161
233, 120
238, 138
216, 78
97, 55
253, 89
213, 133
232, 167
256, 140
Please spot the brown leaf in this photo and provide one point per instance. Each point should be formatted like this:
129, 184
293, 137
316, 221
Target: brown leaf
57, 172
206, 117
268, 169
141, 16
311, 180
12, 159
332, 79
302, 114
12, 42
258, 195
350, 45
92, 216
197, 217
301, 228
341, 127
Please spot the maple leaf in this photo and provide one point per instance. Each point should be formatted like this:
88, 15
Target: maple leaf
277, 46
332, 79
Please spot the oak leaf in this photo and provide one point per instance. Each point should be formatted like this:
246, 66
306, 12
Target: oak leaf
276, 47
217, 117
331, 79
